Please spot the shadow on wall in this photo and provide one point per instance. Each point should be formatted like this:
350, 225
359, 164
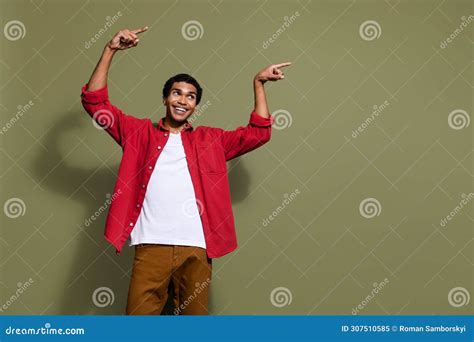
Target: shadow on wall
95, 263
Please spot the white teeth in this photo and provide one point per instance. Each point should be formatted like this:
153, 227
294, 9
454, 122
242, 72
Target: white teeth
178, 109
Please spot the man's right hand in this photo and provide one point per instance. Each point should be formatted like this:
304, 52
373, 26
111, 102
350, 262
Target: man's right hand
125, 39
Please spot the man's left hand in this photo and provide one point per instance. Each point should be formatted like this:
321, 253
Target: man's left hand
272, 73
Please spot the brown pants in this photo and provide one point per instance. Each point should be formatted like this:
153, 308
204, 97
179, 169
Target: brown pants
185, 269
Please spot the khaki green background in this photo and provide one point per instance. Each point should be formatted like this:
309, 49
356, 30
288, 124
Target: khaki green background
320, 247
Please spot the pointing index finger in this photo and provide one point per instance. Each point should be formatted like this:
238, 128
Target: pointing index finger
282, 64
140, 30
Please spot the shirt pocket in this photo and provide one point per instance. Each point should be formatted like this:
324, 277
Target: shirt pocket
211, 158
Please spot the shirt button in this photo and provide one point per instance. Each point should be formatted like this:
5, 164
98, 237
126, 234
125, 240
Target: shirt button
143, 186
159, 147
150, 167
138, 205
166, 134
131, 224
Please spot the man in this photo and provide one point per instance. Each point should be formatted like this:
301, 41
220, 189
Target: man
172, 196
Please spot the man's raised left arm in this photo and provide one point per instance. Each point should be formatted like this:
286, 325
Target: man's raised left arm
258, 130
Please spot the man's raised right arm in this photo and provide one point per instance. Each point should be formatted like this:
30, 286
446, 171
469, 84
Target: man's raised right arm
94, 95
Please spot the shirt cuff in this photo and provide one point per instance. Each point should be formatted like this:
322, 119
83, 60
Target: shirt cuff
96, 96
260, 121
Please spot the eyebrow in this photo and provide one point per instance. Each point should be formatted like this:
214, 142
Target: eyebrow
189, 92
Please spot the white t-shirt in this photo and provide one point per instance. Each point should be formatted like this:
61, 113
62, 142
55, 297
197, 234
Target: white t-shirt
170, 214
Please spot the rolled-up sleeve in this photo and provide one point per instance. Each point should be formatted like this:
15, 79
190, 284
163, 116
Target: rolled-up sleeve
113, 120
247, 138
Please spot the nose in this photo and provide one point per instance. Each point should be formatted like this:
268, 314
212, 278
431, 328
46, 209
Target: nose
182, 99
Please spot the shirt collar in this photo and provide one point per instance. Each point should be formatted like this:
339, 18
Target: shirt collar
186, 126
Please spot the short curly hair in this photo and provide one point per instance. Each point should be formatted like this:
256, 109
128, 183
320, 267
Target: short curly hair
182, 78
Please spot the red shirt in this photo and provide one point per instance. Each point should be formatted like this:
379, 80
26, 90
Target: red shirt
207, 150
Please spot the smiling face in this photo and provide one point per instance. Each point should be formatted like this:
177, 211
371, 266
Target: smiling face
181, 101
